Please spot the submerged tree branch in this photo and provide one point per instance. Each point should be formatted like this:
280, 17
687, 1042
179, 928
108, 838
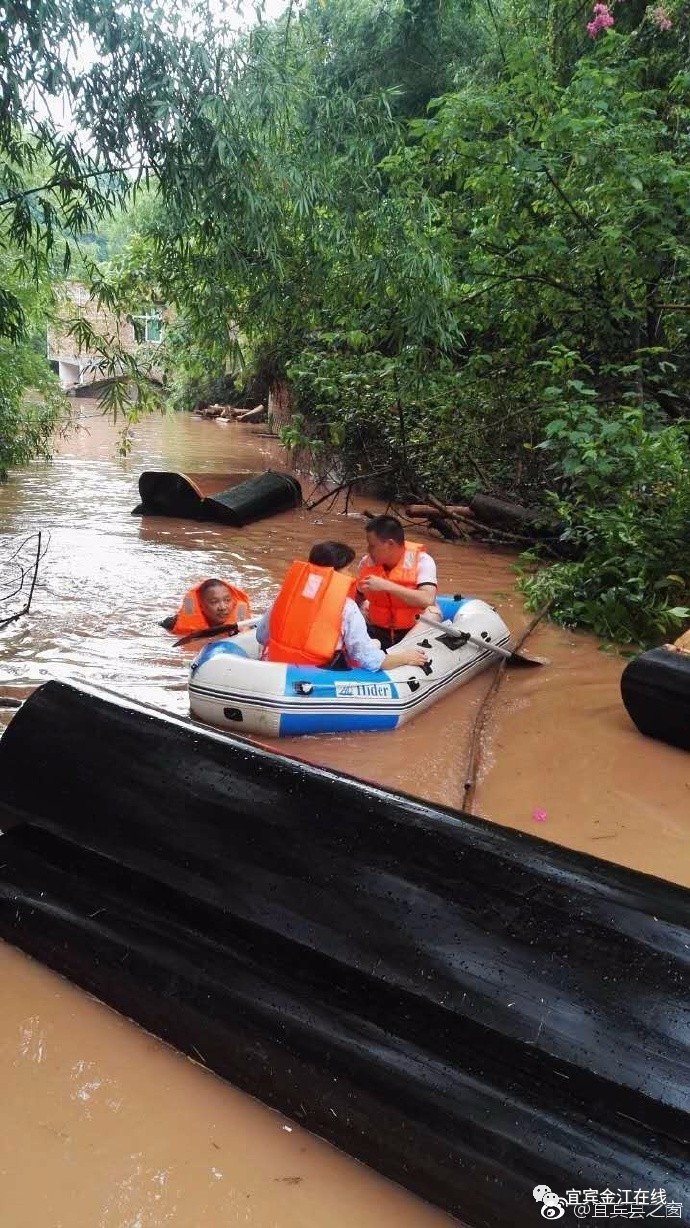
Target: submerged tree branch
361, 477
474, 750
4, 622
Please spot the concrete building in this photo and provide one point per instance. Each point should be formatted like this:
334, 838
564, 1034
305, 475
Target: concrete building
79, 368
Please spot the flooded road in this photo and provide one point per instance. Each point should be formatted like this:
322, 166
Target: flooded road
125, 1131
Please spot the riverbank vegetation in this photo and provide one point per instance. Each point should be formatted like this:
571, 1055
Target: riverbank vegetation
88, 93
458, 234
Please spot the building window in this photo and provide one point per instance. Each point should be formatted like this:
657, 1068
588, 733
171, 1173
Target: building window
148, 327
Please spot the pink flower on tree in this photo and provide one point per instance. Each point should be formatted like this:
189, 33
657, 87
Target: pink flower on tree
602, 18
661, 18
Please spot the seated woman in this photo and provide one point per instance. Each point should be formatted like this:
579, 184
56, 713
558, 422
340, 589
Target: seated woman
314, 620
213, 603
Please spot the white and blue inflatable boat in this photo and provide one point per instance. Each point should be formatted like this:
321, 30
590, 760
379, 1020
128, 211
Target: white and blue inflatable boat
231, 688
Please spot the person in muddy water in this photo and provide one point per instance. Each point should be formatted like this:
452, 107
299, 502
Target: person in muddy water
314, 620
213, 603
396, 582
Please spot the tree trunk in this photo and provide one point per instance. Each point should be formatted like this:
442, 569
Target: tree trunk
279, 405
512, 517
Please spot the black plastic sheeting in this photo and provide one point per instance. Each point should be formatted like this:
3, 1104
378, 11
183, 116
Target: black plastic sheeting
469, 1010
656, 692
169, 494
242, 501
263, 495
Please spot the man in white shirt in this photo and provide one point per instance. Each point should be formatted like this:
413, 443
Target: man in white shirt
396, 581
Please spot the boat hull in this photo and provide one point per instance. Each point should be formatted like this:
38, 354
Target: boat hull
232, 689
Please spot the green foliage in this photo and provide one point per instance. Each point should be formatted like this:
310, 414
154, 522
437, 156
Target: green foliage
494, 292
196, 375
61, 183
28, 423
27, 426
413, 48
286, 227
565, 211
626, 511
373, 411
488, 287
115, 236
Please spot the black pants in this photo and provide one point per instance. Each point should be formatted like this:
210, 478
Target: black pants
386, 635
338, 662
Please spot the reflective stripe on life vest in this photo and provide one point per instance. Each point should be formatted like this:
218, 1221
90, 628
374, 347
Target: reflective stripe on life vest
190, 616
386, 609
306, 621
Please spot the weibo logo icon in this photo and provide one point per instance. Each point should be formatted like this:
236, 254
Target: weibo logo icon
552, 1205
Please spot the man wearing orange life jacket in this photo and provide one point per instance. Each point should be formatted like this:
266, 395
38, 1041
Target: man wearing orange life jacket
396, 580
314, 620
213, 603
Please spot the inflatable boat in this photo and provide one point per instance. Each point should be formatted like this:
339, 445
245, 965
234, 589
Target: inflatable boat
655, 688
231, 688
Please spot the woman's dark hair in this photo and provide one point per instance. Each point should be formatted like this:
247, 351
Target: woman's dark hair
207, 584
386, 528
331, 554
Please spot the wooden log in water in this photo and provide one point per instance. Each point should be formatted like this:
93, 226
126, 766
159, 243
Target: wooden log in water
258, 414
489, 512
513, 517
427, 511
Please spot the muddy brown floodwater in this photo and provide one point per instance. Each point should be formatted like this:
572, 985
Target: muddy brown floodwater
105, 1127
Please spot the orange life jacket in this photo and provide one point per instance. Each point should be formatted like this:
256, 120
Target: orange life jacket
307, 616
190, 616
385, 609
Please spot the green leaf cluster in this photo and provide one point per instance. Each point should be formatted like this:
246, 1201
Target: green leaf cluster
626, 512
